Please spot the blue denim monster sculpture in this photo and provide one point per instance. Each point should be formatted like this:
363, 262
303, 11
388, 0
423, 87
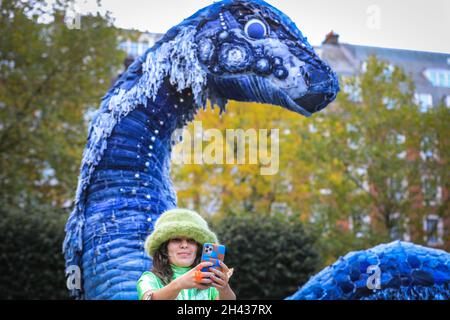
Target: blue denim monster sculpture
245, 50
240, 50
394, 271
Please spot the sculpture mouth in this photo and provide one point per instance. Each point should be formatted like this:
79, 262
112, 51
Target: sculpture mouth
314, 102
252, 88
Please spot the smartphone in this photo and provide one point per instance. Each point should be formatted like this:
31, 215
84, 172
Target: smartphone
213, 253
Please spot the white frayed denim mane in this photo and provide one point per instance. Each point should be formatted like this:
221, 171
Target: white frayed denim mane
176, 58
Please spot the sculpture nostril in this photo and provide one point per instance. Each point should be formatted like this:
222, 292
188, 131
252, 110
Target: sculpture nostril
305, 76
308, 79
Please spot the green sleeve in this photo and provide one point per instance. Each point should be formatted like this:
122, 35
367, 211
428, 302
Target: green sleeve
148, 281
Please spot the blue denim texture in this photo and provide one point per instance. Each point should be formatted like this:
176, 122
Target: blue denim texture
407, 272
124, 182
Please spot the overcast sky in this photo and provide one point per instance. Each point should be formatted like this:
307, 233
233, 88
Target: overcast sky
405, 24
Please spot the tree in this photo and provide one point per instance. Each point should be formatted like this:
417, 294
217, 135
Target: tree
271, 255
234, 186
32, 264
49, 76
366, 154
351, 172
431, 179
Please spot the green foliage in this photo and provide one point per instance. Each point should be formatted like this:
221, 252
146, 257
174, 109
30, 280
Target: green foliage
32, 264
353, 170
271, 255
370, 160
49, 76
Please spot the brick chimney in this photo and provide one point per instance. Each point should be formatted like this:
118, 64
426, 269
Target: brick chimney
331, 38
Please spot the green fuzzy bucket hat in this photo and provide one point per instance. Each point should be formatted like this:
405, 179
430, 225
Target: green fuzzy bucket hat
178, 223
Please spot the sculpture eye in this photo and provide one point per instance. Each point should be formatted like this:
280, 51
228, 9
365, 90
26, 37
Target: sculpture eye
255, 29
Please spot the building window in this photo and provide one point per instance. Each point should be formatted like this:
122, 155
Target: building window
428, 149
352, 144
431, 190
353, 89
351, 128
398, 189
134, 49
359, 224
401, 138
389, 103
280, 208
355, 144
359, 174
442, 79
399, 227
424, 100
325, 191
360, 171
401, 155
364, 66
389, 70
144, 46
433, 229
124, 46
438, 77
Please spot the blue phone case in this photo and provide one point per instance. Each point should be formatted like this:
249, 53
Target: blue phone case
213, 253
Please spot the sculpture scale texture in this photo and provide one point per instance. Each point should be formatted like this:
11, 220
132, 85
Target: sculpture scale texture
394, 271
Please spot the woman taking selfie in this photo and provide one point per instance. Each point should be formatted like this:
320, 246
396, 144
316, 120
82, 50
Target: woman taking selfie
175, 246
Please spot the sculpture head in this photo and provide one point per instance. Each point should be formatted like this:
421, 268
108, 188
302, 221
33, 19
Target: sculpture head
253, 52
244, 50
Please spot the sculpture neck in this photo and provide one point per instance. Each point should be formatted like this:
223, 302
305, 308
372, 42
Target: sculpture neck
142, 142
170, 110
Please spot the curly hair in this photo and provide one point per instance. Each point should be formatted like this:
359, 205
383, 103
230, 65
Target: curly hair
161, 266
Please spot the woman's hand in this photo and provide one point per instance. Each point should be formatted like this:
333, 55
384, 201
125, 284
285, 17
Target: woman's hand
195, 278
221, 278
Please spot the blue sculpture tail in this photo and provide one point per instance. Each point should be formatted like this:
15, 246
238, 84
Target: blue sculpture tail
394, 271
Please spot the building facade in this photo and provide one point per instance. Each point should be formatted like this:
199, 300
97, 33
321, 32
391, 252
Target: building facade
430, 73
